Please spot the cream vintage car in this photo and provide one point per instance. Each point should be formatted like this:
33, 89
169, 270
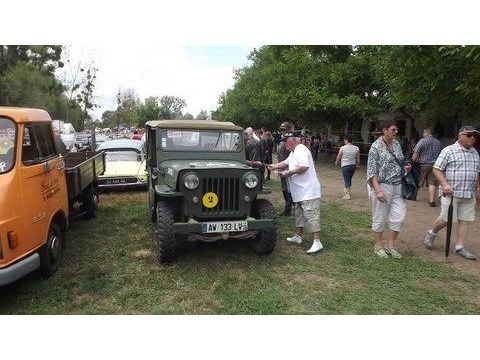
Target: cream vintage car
124, 164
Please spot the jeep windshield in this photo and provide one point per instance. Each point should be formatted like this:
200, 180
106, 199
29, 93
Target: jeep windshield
8, 132
201, 140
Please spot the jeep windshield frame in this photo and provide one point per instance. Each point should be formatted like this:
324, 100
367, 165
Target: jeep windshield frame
8, 144
216, 141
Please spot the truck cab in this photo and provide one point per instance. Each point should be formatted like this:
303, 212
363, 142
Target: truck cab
200, 188
40, 190
33, 195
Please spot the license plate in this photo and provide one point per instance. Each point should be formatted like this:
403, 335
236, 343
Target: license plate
224, 226
115, 181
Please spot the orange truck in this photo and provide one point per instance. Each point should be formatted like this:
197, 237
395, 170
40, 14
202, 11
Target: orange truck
40, 190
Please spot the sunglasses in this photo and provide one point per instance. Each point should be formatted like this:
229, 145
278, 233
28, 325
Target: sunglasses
469, 135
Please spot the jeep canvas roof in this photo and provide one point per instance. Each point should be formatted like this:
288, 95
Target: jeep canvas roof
193, 124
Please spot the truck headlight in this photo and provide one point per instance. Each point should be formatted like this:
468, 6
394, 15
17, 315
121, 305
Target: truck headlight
250, 180
191, 181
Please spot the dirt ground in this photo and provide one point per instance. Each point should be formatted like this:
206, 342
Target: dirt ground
418, 220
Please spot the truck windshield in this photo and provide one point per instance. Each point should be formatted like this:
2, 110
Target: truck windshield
8, 132
201, 140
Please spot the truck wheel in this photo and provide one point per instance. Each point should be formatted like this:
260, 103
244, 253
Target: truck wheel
165, 236
51, 253
90, 200
264, 242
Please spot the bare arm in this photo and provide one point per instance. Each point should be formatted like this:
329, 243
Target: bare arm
279, 165
440, 176
339, 157
415, 156
378, 190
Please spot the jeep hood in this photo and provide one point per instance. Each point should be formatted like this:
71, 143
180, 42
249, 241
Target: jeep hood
172, 168
179, 165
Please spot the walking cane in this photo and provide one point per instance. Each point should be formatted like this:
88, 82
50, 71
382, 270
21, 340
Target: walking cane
449, 227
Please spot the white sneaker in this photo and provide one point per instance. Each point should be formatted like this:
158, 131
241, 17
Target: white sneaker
295, 239
429, 239
316, 247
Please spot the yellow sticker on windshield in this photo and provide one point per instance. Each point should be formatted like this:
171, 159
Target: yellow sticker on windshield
210, 200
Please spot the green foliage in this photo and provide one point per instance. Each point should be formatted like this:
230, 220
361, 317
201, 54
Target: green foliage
436, 81
149, 110
171, 107
202, 115
27, 86
313, 86
316, 86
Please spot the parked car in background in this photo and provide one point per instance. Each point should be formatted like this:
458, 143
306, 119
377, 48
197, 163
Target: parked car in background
125, 164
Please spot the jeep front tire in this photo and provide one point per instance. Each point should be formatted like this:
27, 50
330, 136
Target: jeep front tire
165, 235
265, 240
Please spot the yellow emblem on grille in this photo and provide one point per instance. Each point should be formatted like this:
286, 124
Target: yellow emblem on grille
210, 200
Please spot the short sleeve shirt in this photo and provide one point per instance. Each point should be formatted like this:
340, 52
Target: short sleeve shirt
461, 167
382, 163
428, 150
349, 154
304, 186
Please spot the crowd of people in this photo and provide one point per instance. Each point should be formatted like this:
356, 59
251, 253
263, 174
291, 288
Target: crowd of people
453, 170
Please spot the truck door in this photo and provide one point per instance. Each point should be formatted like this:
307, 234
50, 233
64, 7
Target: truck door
41, 183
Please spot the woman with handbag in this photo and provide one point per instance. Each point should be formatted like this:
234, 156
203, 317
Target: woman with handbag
384, 182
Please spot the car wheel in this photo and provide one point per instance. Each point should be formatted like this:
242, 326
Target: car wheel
165, 235
90, 200
264, 241
51, 253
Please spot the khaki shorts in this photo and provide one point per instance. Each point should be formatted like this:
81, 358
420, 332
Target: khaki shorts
426, 175
307, 212
463, 209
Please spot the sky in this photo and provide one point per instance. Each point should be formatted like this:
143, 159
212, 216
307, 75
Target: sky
199, 74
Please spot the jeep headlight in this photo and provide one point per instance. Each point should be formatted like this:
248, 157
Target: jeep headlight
250, 180
191, 181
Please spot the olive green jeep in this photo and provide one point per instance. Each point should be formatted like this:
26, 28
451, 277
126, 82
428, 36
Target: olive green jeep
200, 188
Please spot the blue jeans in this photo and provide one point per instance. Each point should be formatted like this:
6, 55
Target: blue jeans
348, 171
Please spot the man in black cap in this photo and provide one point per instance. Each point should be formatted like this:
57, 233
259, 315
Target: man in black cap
286, 127
456, 170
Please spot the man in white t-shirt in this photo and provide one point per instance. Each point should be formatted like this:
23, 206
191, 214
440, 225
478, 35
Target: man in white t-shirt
305, 190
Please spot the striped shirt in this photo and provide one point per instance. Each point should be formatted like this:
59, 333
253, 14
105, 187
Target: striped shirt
461, 167
428, 150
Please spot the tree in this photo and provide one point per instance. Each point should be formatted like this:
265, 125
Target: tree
437, 82
149, 110
188, 116
202, 115
78, 77
126, 112
171, 107
313, 86
27, 75
108, 119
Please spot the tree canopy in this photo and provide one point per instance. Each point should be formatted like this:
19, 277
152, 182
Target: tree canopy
317, 86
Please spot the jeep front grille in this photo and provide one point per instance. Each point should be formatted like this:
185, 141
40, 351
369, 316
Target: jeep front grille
228, 191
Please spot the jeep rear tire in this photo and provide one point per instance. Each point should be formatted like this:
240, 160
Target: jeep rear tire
265, 240
165, 235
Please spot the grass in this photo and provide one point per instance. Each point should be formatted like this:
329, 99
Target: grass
110, 268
